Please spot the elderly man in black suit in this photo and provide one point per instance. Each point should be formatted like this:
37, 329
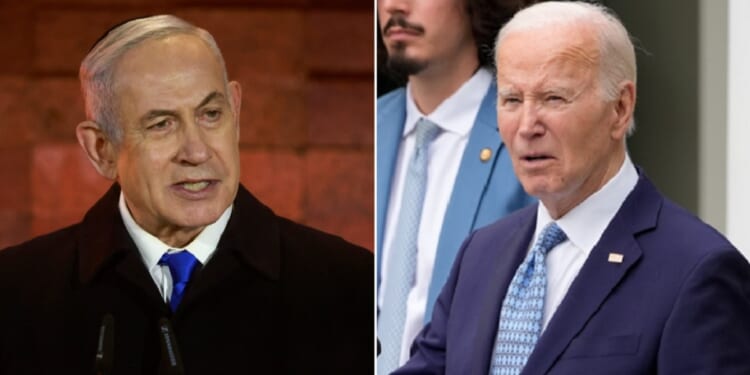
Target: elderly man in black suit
178, 268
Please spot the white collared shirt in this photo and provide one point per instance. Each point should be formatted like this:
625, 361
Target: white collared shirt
455, 116
152, 249
584, 226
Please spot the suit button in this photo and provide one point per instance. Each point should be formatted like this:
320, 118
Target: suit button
485, 155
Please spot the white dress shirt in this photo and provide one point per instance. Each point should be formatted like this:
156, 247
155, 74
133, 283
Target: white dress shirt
584, 226
455, 116
152, 249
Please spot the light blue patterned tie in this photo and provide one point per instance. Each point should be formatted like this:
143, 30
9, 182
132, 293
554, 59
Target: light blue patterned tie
523, 308
181, 266
402, 260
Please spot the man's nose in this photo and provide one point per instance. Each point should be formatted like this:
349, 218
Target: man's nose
390, 7
194, 149
530, 124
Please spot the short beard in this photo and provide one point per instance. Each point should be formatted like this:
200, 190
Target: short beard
401, 66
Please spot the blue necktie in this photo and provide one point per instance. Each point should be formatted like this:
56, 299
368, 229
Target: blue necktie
181, 265
523, 308
402, 260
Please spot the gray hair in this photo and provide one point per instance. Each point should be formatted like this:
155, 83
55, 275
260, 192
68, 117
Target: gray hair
97, 69
617, 54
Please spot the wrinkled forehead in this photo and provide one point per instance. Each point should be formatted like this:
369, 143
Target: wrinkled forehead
177, 72
546, 50
173, 60
574, 40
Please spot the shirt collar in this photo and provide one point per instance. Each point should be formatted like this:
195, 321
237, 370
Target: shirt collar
452, 115
585, 223
152, 249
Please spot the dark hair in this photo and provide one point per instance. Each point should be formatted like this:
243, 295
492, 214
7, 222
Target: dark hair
487, 17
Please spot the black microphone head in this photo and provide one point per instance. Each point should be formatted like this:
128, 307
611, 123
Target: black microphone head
171, 359
105, 346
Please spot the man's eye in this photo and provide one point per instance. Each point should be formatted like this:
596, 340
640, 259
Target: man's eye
212, 115
511, 101
163, 124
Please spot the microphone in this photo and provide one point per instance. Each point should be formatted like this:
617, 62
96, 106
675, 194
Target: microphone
170, 353
105, 346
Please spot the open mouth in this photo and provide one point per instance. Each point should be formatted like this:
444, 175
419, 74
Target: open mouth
195, 186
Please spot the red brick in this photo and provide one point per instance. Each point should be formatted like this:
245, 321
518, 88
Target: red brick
339, 41
342, 4
339, 197
273, 111
64, 37
16, 25
59, 107
264, 42
14, 227
19, 118
109, 3
276, 178
244, 3
340, 112
14, 173
64, 185
270, 41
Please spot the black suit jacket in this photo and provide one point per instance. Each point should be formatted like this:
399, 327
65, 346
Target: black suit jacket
276, 298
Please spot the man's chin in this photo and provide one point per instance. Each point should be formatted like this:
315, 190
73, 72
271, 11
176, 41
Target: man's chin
404, 66
199, 214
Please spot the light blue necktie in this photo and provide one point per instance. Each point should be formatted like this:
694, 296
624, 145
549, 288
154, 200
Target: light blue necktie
402, 260
181, 266
523, 308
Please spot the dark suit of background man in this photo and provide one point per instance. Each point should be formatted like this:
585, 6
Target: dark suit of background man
637, 285
444, 48
265, 295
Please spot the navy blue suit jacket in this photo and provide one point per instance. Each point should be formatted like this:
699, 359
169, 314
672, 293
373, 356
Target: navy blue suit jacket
679, 303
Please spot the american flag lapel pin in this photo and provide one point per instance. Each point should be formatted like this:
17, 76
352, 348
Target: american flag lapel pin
615, 258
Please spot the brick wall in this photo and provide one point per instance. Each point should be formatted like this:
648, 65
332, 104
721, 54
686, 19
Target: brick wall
307, 113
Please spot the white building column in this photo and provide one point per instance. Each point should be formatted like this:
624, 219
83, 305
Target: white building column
738, 125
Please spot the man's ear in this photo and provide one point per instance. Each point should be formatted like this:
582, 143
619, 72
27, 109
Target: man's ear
100, 150
624, 107
235, 95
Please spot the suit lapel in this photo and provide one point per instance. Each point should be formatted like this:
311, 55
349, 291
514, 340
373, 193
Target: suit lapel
104, 242
598, 276
391, 117
222, 265
470, 184
590, 289
250, 239
500, 270
132, 269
